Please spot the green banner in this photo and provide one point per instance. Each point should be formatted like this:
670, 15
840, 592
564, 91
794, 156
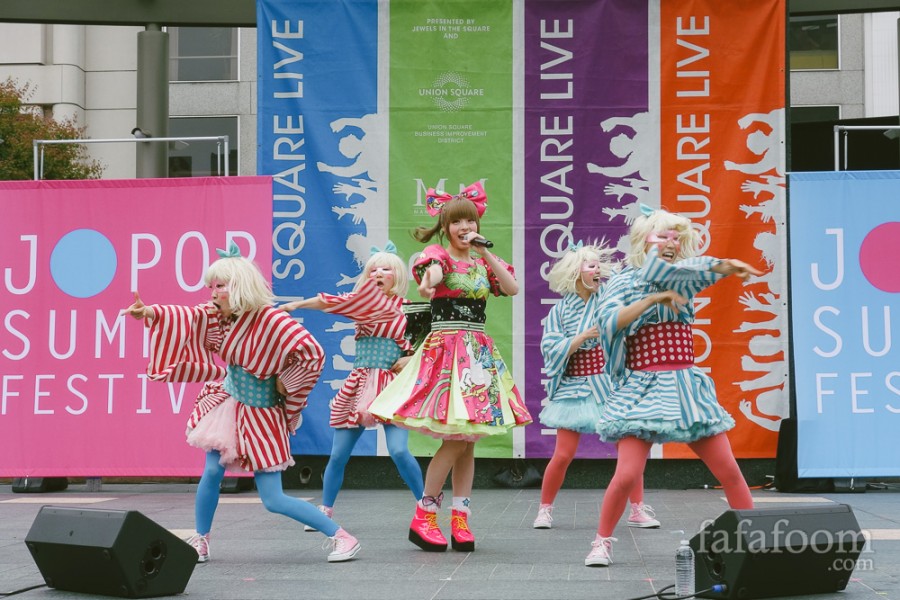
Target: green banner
450, 124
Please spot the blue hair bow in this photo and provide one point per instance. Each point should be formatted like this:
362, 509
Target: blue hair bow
232, 252
390, 248
647, 210
576, 247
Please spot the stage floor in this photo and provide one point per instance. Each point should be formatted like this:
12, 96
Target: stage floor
258, 555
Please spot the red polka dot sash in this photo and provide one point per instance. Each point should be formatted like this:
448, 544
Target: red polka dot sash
661, 347
586, 362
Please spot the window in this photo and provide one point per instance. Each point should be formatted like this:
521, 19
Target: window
202, 158
203, 53
814, 114
813, 42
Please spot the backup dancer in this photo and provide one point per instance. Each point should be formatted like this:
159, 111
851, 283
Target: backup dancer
660, 396
245, 413
456, 387
382, 349
577, 385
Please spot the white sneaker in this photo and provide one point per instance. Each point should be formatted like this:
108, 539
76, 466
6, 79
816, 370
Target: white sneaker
642, 515
325, 510
601, 552
201, 545
343, 546
544, 519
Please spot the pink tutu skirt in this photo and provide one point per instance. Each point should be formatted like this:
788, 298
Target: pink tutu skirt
217, 430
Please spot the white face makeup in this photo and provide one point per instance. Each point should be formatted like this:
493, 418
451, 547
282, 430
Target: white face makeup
591, 275
220, 295
667, 243
383, 278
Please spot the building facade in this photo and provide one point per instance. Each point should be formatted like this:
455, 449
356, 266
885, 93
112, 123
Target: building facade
842, 67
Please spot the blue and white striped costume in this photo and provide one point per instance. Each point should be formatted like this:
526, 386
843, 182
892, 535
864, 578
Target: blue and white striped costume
657, 406
574, 401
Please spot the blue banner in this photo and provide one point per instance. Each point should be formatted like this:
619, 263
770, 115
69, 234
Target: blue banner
845, 232
317, 98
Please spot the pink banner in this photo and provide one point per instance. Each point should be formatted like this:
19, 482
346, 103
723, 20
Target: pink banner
74, 396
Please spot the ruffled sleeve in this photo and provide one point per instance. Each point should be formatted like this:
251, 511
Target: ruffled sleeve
431, 255
555, 347
367, 304
615, 298
492, 277
178, 344
281, 346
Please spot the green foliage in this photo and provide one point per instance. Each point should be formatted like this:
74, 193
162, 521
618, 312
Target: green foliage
21, 124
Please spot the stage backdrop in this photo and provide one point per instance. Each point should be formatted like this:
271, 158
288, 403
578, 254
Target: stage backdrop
845, 309
74, 395
571, 113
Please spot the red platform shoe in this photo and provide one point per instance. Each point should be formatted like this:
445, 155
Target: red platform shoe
425, 533
461, 537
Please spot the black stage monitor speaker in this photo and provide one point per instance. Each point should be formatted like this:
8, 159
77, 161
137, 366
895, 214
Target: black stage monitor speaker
109, 552
765, 553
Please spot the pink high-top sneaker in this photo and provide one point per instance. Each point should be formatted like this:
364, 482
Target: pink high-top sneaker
425, 533
461, 537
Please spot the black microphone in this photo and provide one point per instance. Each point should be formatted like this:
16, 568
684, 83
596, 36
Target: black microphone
480, 241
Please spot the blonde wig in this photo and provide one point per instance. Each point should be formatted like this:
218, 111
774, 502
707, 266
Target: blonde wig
566, 272
248, 290
658, 222
453, 210
392, 262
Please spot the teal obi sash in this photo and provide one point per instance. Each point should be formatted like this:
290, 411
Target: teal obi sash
376, 353
248, 389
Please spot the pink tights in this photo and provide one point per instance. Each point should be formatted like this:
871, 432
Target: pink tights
566, 445
714, 451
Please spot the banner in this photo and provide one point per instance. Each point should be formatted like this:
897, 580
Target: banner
74, 395
571, 114
845, 300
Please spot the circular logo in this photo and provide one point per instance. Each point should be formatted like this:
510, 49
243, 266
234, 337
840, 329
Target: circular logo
83, 263
876, 257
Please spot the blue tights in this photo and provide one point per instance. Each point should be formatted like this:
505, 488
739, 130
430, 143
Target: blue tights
270, 492
343, 444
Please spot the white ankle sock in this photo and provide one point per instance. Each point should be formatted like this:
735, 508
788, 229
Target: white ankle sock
461, 503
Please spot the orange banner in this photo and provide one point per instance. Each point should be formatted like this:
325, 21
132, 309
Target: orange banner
722, 96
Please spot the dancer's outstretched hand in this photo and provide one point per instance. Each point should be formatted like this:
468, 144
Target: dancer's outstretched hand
738, 268
138, 310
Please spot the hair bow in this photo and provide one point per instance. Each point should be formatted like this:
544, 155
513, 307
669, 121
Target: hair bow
390, 248
576, 247
232, 252
647, 210
435, 200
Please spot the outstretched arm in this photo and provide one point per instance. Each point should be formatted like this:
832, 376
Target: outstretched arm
740, 269
314, 303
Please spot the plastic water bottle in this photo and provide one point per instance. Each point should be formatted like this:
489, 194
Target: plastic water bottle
684, 570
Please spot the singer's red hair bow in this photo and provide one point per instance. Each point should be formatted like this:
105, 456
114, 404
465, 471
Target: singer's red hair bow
435, 201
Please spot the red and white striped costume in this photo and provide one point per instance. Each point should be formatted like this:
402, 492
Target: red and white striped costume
267, 343
376, 315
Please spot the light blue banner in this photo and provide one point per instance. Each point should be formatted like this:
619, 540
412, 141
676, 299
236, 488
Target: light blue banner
845, 282
317, 98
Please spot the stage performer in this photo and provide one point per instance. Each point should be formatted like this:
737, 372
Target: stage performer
456, 387
659, 395
245, 413
382, 349
577, 384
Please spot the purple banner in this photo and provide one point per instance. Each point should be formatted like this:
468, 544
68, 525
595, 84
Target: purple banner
586, 66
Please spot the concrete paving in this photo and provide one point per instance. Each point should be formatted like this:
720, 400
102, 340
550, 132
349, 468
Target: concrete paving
258, 555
